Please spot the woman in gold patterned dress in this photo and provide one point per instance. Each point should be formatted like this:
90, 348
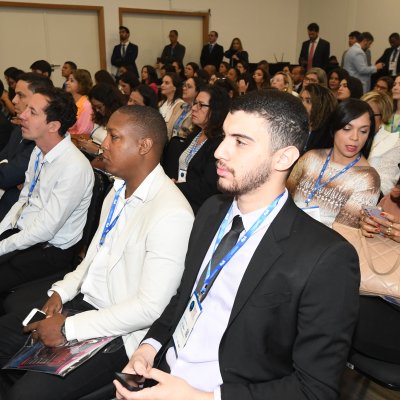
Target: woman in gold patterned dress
332, 184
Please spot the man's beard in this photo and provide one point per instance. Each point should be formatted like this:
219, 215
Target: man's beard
250, 181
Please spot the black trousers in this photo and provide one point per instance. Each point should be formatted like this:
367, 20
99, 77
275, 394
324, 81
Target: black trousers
378, 330
93, 374
36, 262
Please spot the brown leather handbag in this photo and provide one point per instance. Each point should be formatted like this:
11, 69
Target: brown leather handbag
379, 261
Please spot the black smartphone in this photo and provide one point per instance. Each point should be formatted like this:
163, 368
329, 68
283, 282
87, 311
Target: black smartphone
34, 316
131, 382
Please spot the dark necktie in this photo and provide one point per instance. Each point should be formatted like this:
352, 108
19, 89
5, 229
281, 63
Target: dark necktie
123, 50
394, 54
211, 47
226, 244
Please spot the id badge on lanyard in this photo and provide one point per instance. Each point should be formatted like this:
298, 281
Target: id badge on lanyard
182, 175
187, 322
313, 212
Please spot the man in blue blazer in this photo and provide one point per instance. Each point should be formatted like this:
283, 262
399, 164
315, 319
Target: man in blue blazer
126, 52
272, 316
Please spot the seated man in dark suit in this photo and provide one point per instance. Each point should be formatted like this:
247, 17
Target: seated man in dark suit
126, 52
269, 298
14, 158
314, 52
39, 236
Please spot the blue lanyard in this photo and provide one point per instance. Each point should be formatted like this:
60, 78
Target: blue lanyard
110, 224
194, 149
210, 274
318, 185
36, 175
179, 121
392, 126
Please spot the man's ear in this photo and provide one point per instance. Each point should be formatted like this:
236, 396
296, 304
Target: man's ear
54, 126
145, 145
285, 158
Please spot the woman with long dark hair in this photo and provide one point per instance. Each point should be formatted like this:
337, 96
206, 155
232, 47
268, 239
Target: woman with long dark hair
333, 183
191, 162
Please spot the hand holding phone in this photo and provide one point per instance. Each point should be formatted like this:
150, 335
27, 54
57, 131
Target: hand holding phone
371, 211
34, 316
131, 382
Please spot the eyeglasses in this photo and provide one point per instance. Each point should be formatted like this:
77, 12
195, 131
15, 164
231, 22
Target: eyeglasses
377, 115
200, 105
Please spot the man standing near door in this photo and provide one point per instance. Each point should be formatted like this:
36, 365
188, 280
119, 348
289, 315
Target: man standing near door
125, 52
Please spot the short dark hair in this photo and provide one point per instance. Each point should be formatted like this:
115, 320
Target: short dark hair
355, 34
72, 65
103, 76
355, 87
148, 94
367, 36
174, 31
149, 122
112, 99
130, 78
218, 110
313, 27
283, 113
347, 111
42, 65
394, 35
84, 80
13, 73
60, 107
124, 28
216, 33
35, 82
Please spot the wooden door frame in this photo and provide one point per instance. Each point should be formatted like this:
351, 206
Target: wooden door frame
98, 9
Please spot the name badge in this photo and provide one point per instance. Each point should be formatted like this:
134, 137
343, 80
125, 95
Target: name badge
182, 175
392, 66
187, 322
313, 212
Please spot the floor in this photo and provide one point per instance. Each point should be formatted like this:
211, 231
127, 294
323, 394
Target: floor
356, 387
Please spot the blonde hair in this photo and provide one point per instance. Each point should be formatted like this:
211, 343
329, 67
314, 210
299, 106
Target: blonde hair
384, 102
287, 79
321, 75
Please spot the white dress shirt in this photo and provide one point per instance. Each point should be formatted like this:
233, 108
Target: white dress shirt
198, 361
56, 211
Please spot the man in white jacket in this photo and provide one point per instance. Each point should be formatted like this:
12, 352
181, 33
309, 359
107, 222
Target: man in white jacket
132, 268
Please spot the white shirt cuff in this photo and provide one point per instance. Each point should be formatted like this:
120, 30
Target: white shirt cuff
69, 329
217, 393
153, 343
63, 294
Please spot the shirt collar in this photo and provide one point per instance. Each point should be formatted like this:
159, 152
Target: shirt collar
250, 218
57, 150
142, 192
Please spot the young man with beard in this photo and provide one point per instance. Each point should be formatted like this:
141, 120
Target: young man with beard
271, 316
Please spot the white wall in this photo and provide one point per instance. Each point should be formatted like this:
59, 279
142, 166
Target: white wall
338, 18
266, 27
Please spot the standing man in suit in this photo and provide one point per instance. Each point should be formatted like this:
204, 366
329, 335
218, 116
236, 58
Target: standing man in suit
126, 52
132, 268
212, 53
272, 316
355, 61
315, 51
173, 51
390, 57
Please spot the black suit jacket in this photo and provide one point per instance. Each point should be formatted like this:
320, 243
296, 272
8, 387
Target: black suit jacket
293, 317
17, 152
385, 58
170, 54
131, 54
321, 54
213, 58
201, 176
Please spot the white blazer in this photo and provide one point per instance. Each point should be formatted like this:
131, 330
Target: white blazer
144, 270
